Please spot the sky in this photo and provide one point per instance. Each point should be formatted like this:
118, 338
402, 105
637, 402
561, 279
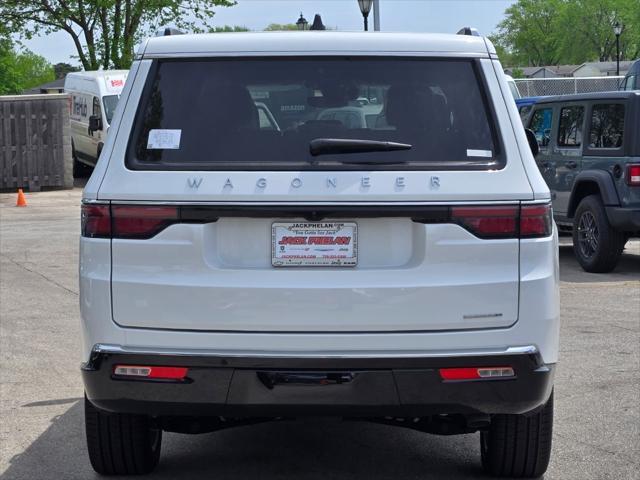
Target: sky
441, 16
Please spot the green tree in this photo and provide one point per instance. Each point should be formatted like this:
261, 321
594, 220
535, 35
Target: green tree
279, 27
61, 69
20, 70
105, 31
228, 28
554, 32
530, 32
588, 30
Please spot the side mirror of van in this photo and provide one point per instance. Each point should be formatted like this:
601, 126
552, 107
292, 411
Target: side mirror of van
95, 123
533, 142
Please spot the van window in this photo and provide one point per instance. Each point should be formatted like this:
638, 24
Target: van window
436, 106
541, 125
570, 128
96, 111
110, 103
607, 126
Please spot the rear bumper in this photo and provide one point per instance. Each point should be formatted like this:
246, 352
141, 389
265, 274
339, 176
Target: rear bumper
624, 219
219, 385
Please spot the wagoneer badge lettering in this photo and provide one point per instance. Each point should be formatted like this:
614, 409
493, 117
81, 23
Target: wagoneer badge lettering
331, 182
194, 182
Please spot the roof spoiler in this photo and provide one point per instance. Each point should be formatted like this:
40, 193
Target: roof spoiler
168, 31
469, 31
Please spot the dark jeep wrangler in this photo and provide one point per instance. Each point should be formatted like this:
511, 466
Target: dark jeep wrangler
590, 158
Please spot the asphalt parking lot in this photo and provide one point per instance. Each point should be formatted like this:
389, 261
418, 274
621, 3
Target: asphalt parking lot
597, 420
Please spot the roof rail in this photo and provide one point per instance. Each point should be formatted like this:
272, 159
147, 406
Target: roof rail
168, 31
469, 31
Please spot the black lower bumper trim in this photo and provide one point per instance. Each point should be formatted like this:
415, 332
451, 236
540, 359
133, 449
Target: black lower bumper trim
624, 219
359, 387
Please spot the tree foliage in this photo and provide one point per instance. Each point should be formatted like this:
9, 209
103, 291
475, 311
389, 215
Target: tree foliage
229, 28
104, 32
20, 70
61, 69
554, 32
279, 27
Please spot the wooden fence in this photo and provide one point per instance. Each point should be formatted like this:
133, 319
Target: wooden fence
35, 142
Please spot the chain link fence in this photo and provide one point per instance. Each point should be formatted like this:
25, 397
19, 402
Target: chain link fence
534, 87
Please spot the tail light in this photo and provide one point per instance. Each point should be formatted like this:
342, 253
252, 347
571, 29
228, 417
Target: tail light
536, 221
488, 222
133, 221
145, 221
633, 175
527, 221
126, 221
96, 221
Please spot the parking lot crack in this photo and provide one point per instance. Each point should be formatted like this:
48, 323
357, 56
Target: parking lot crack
48, 279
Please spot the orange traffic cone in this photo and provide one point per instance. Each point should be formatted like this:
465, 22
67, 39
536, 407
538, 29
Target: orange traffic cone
22, 202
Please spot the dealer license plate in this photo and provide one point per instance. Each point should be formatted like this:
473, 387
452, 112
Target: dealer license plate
317, 244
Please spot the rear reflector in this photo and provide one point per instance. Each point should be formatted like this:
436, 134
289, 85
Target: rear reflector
154, 372
633, 175
476, 373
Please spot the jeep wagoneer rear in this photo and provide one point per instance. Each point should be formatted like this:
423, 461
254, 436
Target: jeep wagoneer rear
333, 224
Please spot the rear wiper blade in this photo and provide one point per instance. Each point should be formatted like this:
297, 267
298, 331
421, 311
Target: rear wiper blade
330, 146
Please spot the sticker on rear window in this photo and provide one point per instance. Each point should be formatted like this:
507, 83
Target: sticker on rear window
479, 153
164, 139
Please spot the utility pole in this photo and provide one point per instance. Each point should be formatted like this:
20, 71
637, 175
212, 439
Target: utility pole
376, 15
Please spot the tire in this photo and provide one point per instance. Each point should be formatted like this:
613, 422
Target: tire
121, 444
596, 244
80, 170
518, 446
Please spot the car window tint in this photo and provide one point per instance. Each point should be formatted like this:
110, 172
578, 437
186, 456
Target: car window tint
570, 128
437, 106
541, 125
607, 126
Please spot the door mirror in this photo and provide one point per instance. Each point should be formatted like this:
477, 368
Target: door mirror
533, 142
95, 123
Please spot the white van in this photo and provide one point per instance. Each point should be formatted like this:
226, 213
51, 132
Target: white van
513, 87
401, 268
93, 100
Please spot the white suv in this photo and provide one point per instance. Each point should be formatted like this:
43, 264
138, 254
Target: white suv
401, 269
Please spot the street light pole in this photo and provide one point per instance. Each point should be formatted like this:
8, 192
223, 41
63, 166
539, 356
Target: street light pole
617, 29
365, 8
376, 15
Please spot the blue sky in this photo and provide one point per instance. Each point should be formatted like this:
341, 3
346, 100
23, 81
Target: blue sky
446, 16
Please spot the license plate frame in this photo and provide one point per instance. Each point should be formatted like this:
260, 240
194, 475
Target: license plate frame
314, 244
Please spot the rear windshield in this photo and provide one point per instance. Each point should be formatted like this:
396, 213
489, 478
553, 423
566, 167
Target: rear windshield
262, 114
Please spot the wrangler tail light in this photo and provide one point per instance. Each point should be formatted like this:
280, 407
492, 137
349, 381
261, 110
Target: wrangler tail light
633, 175
150, 372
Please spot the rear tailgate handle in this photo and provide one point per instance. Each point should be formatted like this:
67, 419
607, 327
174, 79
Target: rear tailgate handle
272, 379
571, 164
